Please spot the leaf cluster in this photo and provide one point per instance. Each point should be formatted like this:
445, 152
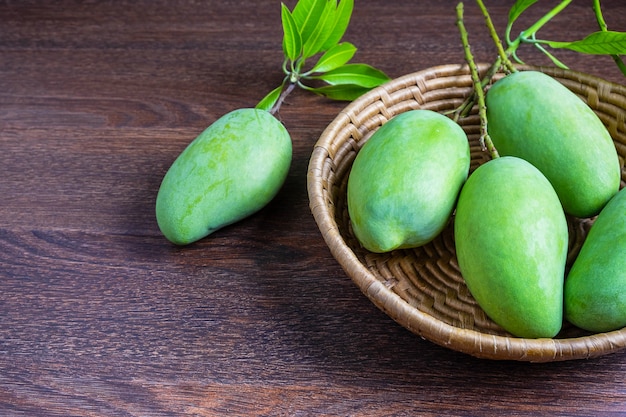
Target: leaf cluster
601, 42
314, 29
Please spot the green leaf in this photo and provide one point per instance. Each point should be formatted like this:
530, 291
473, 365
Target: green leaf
357, 74
306, 14
322, 30
269, 100
597, 43
292, 42
518, 8
335, 57
342, 19
344, 92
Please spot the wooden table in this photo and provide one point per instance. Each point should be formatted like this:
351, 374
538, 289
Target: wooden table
101, 316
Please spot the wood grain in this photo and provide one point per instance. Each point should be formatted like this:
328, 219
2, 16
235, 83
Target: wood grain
101, 316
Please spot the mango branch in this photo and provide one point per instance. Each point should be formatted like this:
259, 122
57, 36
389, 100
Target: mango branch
485, 140
528, 35
502, 61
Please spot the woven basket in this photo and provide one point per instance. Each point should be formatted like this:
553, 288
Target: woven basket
422, 289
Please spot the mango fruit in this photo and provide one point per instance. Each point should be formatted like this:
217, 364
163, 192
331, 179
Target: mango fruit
405, 180
231, 170
534, 117
511, 241
595, 288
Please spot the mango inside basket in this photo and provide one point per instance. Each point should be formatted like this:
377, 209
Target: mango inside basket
422, 289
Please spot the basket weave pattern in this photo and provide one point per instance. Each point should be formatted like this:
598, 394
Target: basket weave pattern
422, 288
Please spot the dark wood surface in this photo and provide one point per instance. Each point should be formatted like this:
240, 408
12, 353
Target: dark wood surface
101, 316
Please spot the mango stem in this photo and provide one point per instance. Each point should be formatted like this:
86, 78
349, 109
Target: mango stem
283, 95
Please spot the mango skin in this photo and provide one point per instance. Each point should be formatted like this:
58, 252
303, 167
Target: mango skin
533, 116
405, 180
511, 242
595, 288
231, 170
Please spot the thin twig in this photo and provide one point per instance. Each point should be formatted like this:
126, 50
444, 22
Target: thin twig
506, 63
464, 109
485, 139
603, 27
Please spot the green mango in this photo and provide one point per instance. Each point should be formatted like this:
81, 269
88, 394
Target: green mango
231, 170
405, 180
533, 116
595, 288
511, 242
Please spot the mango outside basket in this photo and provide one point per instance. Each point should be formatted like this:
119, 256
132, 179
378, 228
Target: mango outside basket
422, 289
